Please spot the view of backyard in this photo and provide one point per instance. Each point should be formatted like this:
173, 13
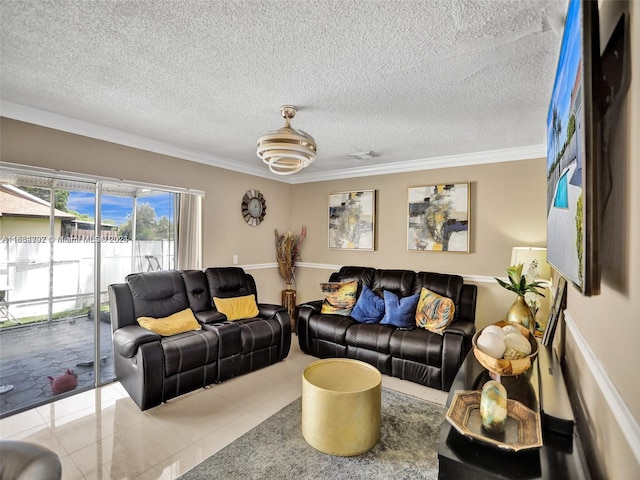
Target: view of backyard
35, 345
55, 267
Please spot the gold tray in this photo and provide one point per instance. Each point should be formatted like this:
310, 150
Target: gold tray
522, 431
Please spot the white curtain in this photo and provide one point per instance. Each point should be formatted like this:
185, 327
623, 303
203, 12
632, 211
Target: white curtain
190, 232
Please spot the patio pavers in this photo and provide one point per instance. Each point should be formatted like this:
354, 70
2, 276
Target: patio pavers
30, 354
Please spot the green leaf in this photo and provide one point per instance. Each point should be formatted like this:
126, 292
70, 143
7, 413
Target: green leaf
515, 273
518, 282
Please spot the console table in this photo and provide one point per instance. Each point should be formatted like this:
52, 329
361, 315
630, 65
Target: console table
561, 456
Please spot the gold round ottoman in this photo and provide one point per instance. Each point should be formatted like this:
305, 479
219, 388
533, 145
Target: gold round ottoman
341, 406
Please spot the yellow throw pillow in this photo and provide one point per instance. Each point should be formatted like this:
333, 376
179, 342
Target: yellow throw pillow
339, 298
434, 311
180, 322
237, 308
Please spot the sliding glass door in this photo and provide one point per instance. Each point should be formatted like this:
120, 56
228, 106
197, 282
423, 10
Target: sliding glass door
64, 241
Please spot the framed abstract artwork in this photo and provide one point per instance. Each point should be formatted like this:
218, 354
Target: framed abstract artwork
438, 218
352, 217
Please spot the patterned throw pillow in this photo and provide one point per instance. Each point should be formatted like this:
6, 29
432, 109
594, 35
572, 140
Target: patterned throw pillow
399, 312
369, 307
339, 297
434, 312
172, 325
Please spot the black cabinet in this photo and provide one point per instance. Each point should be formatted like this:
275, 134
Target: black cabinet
560, 457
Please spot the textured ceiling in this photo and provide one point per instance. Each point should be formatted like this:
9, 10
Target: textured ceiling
418, 82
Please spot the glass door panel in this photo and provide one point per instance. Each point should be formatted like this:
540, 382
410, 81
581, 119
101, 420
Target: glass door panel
24, 299
48, 283
154, 240
73, 281
116, 249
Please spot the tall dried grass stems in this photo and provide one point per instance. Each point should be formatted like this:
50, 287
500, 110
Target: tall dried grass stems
288, 253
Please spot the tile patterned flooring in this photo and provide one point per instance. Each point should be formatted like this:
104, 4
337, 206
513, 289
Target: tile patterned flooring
102, 434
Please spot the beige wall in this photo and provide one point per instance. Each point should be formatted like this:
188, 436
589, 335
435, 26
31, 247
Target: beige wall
224, 231
503, 213
507, 209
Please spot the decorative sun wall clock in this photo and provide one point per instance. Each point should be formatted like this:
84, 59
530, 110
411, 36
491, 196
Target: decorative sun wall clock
254, 207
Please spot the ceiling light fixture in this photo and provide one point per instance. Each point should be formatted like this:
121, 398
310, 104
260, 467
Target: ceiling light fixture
287, 150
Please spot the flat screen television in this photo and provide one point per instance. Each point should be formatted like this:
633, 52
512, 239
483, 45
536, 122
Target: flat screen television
573, 151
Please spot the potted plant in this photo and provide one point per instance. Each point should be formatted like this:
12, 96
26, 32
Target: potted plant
520, 311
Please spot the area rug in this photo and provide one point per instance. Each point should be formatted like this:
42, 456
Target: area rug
276, 449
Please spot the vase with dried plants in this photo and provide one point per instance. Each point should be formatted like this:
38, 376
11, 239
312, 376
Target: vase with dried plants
288, 246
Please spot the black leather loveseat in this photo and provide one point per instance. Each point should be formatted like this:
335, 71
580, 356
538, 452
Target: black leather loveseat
154, 368
417, 354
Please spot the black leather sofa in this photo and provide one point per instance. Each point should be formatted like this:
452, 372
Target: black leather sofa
417, 355
154, 368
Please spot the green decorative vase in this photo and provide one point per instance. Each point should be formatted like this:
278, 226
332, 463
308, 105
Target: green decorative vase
520, 313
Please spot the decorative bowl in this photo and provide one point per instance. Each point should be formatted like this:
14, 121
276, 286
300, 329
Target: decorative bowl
501, 366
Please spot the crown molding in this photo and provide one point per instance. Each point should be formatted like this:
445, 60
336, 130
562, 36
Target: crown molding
55, 121
447, 161
87, 129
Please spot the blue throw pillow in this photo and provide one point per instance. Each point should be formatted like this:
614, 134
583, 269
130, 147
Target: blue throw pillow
369, 307
400, 312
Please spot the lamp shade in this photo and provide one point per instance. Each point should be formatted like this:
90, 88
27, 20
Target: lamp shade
534, 260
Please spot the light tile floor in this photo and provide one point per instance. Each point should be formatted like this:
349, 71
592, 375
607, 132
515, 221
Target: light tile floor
102, 433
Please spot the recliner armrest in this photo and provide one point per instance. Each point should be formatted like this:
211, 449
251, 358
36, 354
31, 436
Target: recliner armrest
461, 327
468, 300
280, 315
456, 343
315, 305
306, 311
268, 310
126, 340
209, 317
